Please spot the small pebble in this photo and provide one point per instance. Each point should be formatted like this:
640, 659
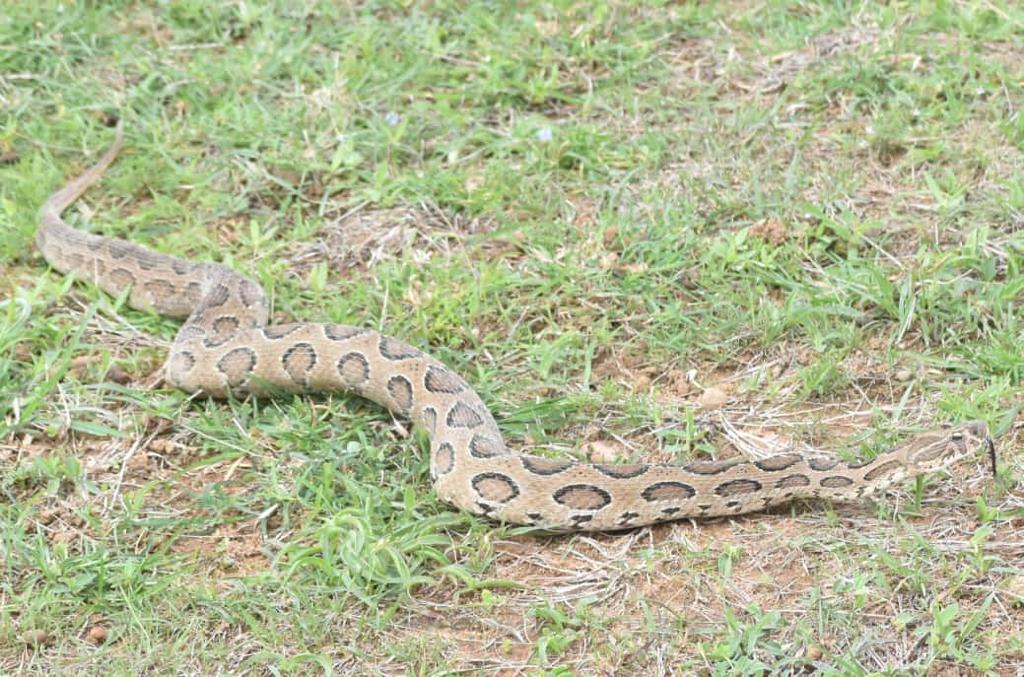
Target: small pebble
36, 637
97, 634
713, 398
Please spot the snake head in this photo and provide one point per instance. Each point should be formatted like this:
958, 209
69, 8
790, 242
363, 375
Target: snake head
942, 448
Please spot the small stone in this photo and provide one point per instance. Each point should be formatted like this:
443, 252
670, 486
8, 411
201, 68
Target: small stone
118, 375
97, 634
713, 398
602, 451
813, 653
36, 637
904, 375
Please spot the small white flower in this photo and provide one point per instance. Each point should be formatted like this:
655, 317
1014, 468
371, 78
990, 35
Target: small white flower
392, 118
544, 134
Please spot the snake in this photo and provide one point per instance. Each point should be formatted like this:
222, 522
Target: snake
226, 347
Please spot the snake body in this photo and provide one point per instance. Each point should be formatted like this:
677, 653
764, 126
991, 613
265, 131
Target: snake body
227, 348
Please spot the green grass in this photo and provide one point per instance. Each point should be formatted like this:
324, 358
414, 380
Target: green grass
819, 207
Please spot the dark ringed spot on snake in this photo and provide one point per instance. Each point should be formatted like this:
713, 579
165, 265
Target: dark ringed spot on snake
393, 349
159, 289
703, 508
792, 481
440, 380
710, 467
836, 482
354, 369
444, 458
463, 416
400, 390
97, 267
485, 509
342, 332
544, 466
580, 519
622, 472
670, 511
236, 365
250, 293
582, 497
734, 505
883, 469
298, 361
180, 267
493, 486
428, 419
276, 332
778, 462
737, 487
225, 324
822, 463
535, 516
194, 292
483, 446
122, 277
668, 491
217, 296
182, 360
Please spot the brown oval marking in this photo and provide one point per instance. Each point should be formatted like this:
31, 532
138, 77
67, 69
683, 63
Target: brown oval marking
444, 458
623, 472
354, 369
181, 361
393, 349
400, 390
250, 293
342, 332
298, 361
159, 289
582, 497
276, 332
737, 487
710, 467
822, 463
122, 277
778, 462
668, 491
237, 364
441, 380
462, 415
217, 296
485, 446
793, 481
226, 324
194, 292
181, 267
883, 469
544, 466
836, 482
493, 486
428, 419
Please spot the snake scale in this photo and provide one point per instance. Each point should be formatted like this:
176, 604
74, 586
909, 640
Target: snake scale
226, 347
